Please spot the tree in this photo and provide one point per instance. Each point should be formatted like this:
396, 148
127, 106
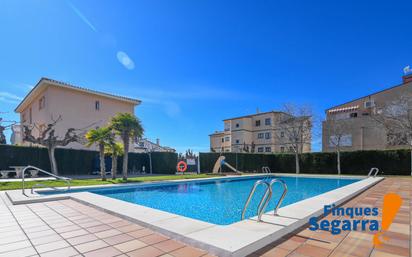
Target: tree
114, 149
47, 137
190, 155
245, 148
252, 147
101, 137
396, 118
295, 129
128, 127
337, 130
4, 124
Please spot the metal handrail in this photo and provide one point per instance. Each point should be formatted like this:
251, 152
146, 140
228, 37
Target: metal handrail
371, 171
66, 180
285, 190
263, 200
266, 169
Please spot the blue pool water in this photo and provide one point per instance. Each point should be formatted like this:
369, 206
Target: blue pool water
219, 201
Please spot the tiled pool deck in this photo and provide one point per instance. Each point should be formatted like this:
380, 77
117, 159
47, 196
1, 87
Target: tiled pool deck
69, 228
355, 244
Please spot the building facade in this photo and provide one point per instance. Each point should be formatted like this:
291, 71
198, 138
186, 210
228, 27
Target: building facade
356, 121
144, 145
77, 107
257, 133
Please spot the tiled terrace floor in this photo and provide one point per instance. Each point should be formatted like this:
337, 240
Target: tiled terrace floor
68, 228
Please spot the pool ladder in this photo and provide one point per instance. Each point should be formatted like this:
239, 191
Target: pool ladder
376, 170
266, 197
266, 169
29, 167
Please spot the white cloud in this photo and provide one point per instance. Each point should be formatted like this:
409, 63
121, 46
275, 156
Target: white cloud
125, 60
169, 99
7, 97
81, 16
193, 93
171, 108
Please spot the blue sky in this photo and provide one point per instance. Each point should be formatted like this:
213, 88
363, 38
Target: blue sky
194, 63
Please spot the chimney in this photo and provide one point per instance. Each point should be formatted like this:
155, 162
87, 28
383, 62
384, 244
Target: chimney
157, 141
407, 78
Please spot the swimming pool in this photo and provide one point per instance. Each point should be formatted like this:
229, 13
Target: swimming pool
218, 201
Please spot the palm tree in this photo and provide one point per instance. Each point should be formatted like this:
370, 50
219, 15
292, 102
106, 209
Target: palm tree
114, 149
99, 136
127, 126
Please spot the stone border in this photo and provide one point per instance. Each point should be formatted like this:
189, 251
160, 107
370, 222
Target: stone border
237, 239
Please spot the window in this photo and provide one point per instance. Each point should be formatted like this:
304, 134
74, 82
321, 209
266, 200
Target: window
227, 126
341, 116
369, 104
223, 140
268, 122
354, 115
282, 149
342, 140
365, 114
237, 141
237, 125
290, 149
257, 123
227, 139
282, 134
42, 102
260, 149
268, 149
97, 105
260, 135
268, 135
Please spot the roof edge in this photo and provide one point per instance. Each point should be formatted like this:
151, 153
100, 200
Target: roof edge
356, 99
250, 115
70, 86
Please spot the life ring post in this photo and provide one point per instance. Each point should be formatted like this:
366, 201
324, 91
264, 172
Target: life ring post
181, 166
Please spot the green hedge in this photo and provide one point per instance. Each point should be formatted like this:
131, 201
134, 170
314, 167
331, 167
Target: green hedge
81, 162
390, 162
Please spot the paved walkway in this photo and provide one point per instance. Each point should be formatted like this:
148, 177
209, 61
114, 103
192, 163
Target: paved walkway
68, 228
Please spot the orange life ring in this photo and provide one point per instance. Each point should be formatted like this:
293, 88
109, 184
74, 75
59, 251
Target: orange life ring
181, 166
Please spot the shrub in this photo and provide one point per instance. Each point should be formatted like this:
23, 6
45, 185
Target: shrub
390, 162
81, 162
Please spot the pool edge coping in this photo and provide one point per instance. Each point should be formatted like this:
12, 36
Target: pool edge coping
239, 239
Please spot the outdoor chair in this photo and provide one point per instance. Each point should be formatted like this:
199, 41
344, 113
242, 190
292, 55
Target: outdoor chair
34, 173
5, 173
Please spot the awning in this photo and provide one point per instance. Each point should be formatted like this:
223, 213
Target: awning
344, 109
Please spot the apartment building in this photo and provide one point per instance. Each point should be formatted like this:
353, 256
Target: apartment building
259, 133
357, 123
78, 107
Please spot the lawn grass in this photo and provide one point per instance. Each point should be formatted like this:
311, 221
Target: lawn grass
90, 182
